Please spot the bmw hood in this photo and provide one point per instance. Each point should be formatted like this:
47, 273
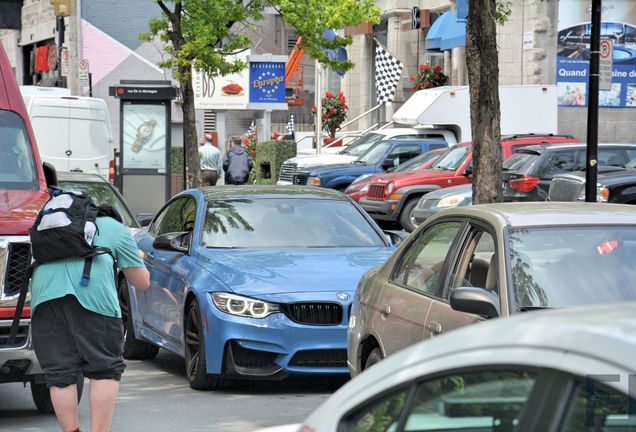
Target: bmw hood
255, 272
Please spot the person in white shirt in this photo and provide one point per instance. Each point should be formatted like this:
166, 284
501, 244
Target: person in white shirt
211, 162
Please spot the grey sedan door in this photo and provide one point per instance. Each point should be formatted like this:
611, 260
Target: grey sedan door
401, 309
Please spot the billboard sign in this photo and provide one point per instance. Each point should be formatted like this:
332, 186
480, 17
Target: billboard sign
267, 82
230, 92
573, 52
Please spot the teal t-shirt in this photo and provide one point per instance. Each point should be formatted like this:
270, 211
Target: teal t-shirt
60, 278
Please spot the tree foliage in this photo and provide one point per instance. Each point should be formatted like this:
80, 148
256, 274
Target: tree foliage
204, 35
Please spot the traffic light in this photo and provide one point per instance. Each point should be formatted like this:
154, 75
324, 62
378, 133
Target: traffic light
61, 8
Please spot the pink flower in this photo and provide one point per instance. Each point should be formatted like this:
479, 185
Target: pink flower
314, 109
333, 111
437, 68
424, 67
329, 95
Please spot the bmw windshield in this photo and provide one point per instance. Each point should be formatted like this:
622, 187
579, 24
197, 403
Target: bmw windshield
568, 266
287, 223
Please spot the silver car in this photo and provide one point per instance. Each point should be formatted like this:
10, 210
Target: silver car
562, 371
472, 263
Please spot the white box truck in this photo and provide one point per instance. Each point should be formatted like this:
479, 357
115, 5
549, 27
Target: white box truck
73, 132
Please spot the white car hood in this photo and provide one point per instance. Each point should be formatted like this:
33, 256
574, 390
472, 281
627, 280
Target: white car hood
320, 160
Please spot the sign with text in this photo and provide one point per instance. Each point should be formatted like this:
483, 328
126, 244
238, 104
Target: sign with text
605, 65
230, 92
267, 82
66, 63
618, 26
83, 72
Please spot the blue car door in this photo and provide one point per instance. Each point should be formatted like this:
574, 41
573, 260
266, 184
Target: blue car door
169, 270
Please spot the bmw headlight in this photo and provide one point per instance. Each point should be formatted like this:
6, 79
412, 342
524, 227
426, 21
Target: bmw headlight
243, 306
451, 201
313, 181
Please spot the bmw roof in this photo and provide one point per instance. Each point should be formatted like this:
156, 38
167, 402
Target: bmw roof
271, 192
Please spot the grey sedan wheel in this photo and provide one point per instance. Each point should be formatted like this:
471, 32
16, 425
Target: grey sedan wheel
374, 357
406, 219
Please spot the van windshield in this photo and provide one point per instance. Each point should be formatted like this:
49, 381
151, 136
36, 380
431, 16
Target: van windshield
17, 167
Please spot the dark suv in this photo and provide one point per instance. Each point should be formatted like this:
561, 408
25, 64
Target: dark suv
614, 185
528, 173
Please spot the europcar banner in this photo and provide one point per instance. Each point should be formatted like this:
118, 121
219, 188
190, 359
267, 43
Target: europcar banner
573, 52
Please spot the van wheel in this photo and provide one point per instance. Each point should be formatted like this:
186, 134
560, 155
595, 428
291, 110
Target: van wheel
196, 365
134, 349
375, 356
406, 220
42, 396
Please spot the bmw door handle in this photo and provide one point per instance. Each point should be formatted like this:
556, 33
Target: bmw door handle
434, 327
386, 311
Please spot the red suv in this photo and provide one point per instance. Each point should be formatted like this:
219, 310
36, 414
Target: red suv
391, 197
23, 192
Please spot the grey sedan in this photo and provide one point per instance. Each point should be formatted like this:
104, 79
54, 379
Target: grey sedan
440, 200
562, 371
484, 261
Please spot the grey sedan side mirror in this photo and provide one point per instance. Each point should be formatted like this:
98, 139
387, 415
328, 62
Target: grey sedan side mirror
476, 301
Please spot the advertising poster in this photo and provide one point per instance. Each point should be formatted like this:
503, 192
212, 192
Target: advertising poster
573, 52
230, 92
144, 136
267, 82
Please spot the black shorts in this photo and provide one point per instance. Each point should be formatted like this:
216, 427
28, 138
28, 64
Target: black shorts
70, 340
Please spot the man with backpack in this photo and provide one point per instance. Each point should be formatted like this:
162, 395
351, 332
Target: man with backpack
76, 318
237, 163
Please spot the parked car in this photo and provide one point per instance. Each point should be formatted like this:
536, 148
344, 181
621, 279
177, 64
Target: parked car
360, 186
378, 158
472, 263
393, 196
562, 371
528, 174
24, 182
102, 192
240, 286
442, 199
614, 185
354, 150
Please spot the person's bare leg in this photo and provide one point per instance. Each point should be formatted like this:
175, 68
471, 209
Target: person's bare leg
65, 404
103, 395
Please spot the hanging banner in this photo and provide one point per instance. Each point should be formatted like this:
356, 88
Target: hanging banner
573, 52
230, 92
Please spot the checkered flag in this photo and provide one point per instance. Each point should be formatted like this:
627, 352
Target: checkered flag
388, 70
250, 130
290, 125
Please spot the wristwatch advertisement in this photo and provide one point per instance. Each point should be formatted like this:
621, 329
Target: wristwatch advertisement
144, 136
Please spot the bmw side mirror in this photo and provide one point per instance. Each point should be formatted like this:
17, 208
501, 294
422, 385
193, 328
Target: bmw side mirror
388, 163
49, 174
476, 301
178, 242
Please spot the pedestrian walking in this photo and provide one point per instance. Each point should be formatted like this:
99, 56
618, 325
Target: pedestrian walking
76, 318
237, 163
211, 162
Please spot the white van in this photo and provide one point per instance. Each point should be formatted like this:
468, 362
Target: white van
73, 133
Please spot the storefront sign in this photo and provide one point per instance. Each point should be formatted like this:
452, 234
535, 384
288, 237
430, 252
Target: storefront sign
573, 52
267, 82
230, 92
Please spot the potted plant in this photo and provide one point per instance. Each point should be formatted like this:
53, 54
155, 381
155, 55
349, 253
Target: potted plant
250, 143
334, 113
428, 77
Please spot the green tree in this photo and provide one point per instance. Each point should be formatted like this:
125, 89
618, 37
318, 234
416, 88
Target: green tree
203, 34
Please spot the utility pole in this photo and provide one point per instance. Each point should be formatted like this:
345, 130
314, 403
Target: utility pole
318, 92
591, 164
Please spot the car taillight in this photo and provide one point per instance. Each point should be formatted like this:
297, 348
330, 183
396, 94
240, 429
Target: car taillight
111, 171
524, 183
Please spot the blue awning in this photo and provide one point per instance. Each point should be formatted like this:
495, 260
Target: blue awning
446, 33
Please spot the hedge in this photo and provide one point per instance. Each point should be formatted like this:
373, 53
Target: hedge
270, 155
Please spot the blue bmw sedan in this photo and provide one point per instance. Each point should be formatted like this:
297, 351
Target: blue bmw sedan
251, 281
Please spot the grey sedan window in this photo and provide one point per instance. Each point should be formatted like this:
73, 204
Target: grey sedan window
421, 266
380, 415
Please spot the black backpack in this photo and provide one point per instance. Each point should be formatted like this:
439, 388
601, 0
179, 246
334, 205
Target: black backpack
65, 228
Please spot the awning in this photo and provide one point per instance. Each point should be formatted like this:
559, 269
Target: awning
446, 33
